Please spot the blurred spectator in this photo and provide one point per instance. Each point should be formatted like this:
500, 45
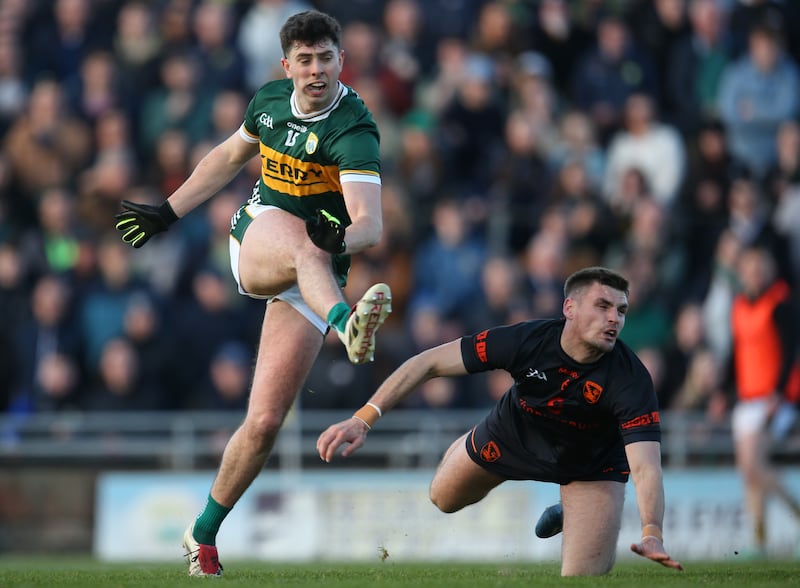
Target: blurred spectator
62, 39
719, 298
102, 309
471, 128
577, 142
655, 148
198, 324
532, 94
650, 240
700, 385
174, 26
45, 146
519, 189
53, 246
498, 32
559, 40
137, 49
228, 383
543, 267
47, 350
589, 222
743, 13
420, 168
391, 127
657, 26
437, 90
647, 322
607, 74
687, 340
749, 219
100, 88
702, 213
502, 300
181, 102
406, 51
169, 163
259, 41
219, 61
361, 44
117, 383
695, 66
447, 266
102, 186
757, 93
227, 114
143, 329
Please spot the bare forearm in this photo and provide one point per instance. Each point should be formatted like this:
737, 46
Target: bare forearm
212, 174
650, 497
444, 360
645, 462
363, 233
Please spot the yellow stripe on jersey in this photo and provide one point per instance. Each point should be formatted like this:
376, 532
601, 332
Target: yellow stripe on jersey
295, 177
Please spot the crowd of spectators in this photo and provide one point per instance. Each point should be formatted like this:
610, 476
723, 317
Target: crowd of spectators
521, 140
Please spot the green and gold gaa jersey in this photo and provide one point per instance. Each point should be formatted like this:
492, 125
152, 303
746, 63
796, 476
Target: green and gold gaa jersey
305, 158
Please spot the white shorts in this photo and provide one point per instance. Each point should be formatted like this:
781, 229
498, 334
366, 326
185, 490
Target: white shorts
291, 296
749, 417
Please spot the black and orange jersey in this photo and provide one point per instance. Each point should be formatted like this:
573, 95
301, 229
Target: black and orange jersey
564, 416
305, 158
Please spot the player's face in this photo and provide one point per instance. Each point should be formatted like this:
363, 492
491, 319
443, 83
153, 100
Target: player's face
596, 314
315, 70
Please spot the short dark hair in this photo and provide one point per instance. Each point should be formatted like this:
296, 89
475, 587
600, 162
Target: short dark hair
590, 275
309, 27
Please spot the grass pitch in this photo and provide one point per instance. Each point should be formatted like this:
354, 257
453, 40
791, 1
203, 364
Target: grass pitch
40, 573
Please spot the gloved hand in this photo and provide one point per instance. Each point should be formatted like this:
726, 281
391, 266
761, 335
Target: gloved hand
139, 222
326, 232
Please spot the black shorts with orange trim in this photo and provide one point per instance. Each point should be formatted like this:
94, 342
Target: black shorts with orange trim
497, 455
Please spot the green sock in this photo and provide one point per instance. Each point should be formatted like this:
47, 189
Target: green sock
207, 524
338, 315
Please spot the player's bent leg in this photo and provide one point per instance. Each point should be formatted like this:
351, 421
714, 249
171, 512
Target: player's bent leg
592, 519
275, 253
459, 481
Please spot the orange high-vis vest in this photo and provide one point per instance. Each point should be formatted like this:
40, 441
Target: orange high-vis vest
758, 355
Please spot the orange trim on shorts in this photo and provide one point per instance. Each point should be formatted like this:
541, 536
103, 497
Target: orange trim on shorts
472, 439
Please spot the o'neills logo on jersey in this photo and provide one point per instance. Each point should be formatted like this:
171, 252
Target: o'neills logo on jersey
592, 391
311, 143
490, 452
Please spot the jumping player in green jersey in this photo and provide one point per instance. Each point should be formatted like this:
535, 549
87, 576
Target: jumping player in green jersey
316, 202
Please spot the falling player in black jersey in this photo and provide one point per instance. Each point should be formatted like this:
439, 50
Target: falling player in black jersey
581, 413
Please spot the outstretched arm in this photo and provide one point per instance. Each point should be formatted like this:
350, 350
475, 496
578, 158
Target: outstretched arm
213, 172
644, 458
444, 360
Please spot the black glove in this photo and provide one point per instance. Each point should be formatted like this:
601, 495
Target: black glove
139, 222
327, 232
